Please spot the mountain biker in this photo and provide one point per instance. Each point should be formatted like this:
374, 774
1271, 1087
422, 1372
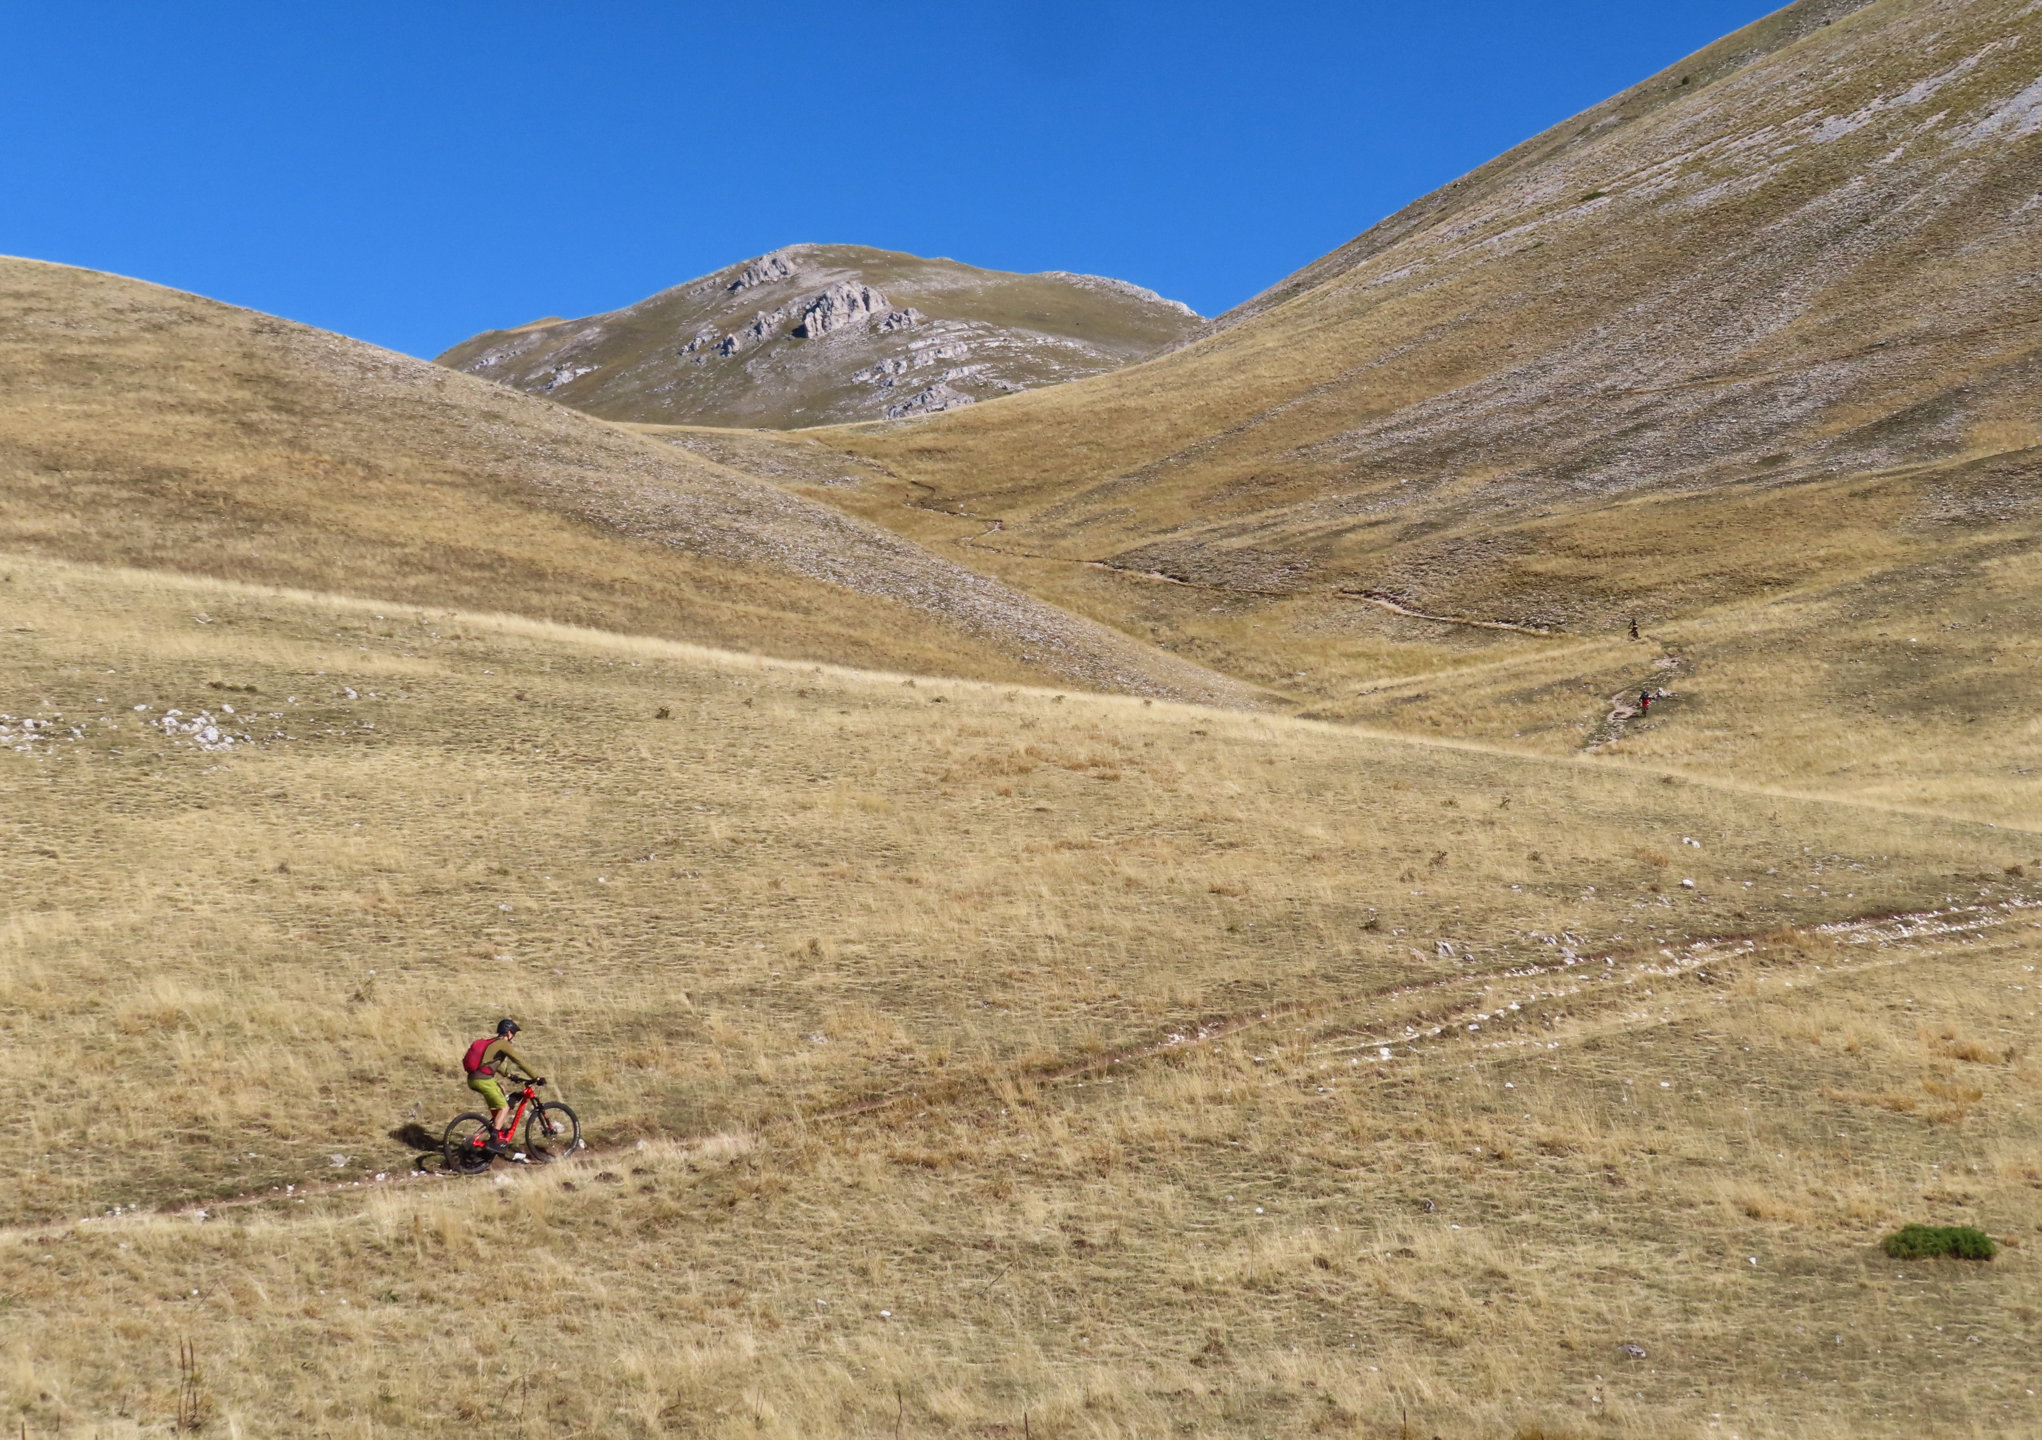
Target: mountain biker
481, 1062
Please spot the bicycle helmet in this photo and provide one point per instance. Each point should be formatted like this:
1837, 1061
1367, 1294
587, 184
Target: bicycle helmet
506, 1028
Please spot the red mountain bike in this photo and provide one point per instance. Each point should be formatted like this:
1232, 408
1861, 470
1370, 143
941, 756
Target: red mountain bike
551, 1133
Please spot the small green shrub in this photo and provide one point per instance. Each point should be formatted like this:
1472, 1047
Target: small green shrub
1926, 1242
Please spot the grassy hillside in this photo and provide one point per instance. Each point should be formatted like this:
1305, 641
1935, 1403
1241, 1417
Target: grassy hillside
1459, 1049
141, 426
896, 335
1747, 353
1003, 1060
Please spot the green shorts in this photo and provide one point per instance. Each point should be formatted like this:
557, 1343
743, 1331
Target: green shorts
488, 1089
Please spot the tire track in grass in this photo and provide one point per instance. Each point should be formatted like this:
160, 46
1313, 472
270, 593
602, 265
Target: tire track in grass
1884, 933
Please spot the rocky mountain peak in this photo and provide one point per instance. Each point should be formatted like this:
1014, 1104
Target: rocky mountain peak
906, 337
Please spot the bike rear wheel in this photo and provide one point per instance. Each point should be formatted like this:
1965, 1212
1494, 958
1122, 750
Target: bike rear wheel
465, 1144
551, 1133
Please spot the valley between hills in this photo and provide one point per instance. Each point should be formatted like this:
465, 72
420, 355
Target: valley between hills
1169, 900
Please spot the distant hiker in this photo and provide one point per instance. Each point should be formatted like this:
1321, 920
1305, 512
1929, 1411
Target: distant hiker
1634, 629
481, 1062
1644, 701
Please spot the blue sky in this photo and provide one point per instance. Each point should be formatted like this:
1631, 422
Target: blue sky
413, 173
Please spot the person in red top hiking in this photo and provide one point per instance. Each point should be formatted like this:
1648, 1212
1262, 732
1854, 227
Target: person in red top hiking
482, 1061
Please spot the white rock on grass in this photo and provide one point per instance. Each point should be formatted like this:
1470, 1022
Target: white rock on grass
764, 271
765, 325
567, 375
845, 303
927, 402
882, 372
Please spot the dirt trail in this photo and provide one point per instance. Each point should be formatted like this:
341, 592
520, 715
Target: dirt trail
1885, 938
1623, 710
1377, 597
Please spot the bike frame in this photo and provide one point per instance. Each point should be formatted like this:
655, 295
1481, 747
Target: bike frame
526, 1094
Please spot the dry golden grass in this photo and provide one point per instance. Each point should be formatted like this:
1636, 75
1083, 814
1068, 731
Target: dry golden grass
1901, 676
1910, 691
1794, 410
141, 426
965, 1059
1800, 341
806, 890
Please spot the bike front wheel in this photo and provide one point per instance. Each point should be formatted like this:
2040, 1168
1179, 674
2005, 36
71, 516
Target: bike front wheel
466, 1144
551, 1133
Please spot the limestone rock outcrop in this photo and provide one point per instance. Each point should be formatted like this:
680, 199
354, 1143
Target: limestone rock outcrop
937, 397
764, 326
845, 303
763, 271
